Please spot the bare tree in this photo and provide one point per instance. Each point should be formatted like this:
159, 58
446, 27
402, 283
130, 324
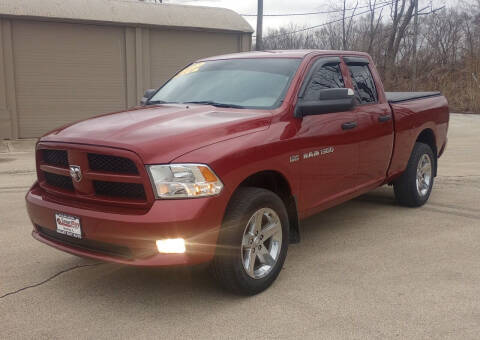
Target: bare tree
347, 24
401, 14
374, 23
444, 35
448, 47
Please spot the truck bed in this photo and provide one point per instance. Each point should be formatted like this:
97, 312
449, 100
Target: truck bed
414, 113
397, 97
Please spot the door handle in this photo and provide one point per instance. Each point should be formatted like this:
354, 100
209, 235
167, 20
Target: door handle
349, 125
384, 118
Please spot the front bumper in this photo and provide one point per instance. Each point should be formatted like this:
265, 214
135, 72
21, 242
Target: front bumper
198, 221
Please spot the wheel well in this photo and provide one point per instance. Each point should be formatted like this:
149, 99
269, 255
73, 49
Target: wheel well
277, 183
428, 137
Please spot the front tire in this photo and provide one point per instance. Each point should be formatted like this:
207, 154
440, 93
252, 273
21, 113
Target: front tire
253, 241
414, 186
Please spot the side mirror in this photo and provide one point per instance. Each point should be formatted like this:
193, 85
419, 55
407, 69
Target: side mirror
148, 94
329, 101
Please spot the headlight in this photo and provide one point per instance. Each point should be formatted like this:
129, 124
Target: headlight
184, 181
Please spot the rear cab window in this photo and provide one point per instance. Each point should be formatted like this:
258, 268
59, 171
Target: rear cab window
362, 81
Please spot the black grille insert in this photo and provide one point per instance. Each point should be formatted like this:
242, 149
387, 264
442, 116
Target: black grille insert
55, 157
111, 164
59, 181
96, 246
118, 189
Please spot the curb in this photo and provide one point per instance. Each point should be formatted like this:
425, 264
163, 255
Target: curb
17, 145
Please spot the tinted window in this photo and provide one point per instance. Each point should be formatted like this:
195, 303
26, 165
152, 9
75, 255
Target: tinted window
325, 77
363, 84
249, 83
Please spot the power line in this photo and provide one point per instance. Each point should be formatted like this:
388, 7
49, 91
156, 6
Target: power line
312, 13
326, 23
433, 11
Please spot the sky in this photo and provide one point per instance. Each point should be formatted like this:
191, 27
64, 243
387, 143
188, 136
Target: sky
291, 6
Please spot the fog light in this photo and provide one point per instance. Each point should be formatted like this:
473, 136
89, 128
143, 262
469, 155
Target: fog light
171, 245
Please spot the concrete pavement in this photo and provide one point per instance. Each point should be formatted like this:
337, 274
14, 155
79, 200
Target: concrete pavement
365, 269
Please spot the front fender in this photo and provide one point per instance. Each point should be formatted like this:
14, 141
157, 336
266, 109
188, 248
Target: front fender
236, 159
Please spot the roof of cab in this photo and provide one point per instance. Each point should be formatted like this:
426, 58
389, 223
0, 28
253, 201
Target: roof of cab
285, 54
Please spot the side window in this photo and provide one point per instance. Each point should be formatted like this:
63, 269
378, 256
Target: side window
363, 84
325, 77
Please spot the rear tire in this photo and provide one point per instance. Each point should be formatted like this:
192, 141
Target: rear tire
253, 241
414, 186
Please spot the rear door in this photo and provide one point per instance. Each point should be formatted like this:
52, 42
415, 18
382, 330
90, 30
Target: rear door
375, 122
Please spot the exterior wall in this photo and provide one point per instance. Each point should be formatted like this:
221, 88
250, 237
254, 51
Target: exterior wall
53, 73
8, 110
4, 112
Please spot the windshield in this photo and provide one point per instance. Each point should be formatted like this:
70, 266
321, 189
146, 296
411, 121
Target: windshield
242, 83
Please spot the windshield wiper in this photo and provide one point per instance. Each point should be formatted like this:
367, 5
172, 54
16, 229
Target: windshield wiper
209, 102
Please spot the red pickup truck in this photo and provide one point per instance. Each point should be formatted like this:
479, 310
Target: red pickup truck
221, 163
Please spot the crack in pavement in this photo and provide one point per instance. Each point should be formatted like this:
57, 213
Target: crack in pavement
452, 206
461, 176
50, 278
454, 213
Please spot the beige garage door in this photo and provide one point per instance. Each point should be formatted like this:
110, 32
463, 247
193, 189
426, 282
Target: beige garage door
66, 72
171, 50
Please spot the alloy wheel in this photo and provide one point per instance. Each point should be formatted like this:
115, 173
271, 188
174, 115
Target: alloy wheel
261, 243
424, 175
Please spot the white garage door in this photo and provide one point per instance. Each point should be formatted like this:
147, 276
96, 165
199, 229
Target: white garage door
66, 72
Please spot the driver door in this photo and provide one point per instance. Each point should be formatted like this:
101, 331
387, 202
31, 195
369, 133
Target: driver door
329, 141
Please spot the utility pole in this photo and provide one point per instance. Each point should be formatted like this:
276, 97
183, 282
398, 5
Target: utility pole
415, 39
258, 44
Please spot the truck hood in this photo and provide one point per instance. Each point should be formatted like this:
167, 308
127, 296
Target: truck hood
161, 133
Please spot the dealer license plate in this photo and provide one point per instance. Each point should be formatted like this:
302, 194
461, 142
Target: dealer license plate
68, 225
